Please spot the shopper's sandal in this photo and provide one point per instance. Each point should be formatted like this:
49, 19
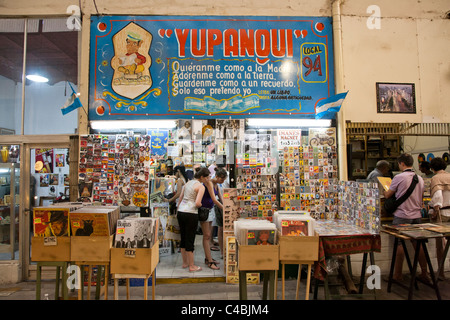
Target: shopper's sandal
212, 260
197, 268
214, 248
212, 265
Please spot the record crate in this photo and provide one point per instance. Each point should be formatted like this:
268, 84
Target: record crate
44, 250
134, 261
299, 248
257, 257
91, 248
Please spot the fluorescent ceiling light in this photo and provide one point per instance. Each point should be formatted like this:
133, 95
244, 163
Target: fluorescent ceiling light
36, 78
133, 124
283, 123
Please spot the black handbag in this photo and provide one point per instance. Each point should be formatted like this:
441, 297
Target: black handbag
203, 213
391, 204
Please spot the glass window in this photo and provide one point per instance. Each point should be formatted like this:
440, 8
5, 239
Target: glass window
52, 53
52, 58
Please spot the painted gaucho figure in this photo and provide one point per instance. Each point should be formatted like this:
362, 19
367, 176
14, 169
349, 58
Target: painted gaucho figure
131, 61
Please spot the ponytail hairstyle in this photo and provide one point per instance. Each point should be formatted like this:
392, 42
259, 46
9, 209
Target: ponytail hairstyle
182, 170
201, 172
221, 173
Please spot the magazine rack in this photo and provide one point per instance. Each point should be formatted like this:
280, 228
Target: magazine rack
137, 263
258, 259
298, 250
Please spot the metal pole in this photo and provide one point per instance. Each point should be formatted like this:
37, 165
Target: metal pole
339, 85
25, 36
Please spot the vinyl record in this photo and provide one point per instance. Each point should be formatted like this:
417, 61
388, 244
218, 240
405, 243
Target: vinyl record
421, 157
430, 157
446, 157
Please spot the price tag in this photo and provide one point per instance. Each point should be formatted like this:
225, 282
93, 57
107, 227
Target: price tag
50, 241
130, 253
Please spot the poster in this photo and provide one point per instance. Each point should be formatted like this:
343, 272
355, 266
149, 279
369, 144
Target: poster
210, 66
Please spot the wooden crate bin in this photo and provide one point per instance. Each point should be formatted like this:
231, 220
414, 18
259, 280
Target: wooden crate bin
58, 252
256, 257
91, 248
144, 262
299, 248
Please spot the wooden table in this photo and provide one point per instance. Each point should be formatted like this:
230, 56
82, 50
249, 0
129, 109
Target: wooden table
420, 243
345, 245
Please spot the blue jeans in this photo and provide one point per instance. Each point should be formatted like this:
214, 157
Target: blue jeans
398, 220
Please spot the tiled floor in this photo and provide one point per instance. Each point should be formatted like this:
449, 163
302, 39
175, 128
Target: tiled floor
171, 266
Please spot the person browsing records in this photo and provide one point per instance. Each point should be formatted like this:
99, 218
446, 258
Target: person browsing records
409, 212
209, 201
440, 201
381, 170
191, 199
181, 179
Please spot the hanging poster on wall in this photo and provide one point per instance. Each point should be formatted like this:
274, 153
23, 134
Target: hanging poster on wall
178, 67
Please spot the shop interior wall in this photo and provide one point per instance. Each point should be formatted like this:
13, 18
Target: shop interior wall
410, 46
416, 145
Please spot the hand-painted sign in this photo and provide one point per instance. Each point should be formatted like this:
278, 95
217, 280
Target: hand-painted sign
209, 67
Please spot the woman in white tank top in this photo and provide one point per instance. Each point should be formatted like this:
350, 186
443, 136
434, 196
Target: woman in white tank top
191, 199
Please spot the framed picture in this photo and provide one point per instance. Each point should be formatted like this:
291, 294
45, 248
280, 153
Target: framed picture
396, 97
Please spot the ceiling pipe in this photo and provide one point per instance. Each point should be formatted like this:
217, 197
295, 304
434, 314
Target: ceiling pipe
339, 87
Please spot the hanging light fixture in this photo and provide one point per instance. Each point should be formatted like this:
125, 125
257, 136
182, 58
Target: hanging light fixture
36, 78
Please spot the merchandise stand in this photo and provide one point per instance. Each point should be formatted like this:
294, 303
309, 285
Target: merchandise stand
420, 243
327, 284
102, 269
258, 259
345, 245
135, 263
298, 250
55, 255
118, 276
60, 274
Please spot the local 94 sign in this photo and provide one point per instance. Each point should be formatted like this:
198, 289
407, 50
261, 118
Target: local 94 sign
209, 67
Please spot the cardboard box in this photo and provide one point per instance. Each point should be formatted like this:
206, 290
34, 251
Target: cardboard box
299, 248
143, 262
58, 252
258, 257
90, 249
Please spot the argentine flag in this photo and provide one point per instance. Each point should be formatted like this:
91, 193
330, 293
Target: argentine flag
72, 103
327, 108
